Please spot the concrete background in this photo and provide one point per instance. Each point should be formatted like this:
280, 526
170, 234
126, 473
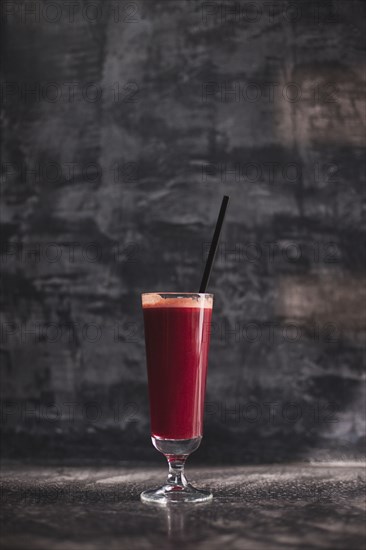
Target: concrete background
124, 123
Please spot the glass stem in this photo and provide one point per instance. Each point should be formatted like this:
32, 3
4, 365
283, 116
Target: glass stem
176, 475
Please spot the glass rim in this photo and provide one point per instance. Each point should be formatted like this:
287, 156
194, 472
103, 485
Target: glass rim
178, 294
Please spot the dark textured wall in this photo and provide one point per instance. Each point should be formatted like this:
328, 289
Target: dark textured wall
123, 125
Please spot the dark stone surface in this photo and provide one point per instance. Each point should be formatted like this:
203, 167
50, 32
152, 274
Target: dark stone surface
254, 508
113, 189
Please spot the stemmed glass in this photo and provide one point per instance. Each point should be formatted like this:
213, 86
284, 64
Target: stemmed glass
177, 334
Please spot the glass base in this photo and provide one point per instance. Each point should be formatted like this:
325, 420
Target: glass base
168, 494
176, 489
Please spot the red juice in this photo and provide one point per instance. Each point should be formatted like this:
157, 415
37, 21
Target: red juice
177, 332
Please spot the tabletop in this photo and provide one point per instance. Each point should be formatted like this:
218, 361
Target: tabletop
86, 507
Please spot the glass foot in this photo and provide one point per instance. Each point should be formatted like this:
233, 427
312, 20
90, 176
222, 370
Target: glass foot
176, 488
168, 494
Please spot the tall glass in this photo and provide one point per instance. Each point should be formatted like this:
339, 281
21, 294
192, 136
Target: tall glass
177, 334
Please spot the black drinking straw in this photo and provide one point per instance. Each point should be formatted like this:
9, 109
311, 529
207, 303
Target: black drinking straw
214, 243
